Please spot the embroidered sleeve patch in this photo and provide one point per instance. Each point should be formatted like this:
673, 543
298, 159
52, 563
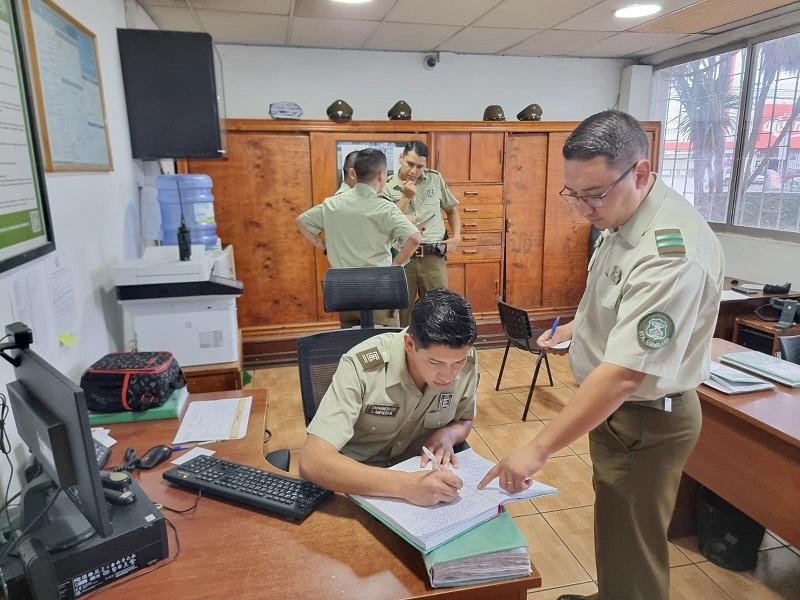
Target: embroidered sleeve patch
370, 358
655, 330
670, 242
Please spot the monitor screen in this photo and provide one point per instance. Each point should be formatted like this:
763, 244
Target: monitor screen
52, 419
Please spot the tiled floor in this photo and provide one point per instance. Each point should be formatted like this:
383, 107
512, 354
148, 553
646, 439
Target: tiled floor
559, 528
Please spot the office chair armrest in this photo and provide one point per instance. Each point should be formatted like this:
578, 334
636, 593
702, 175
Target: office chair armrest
279, 459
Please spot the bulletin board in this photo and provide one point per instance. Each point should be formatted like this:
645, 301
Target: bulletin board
68, 88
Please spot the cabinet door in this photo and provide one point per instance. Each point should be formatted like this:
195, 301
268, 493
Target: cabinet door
486, 157
482, 285
452, 156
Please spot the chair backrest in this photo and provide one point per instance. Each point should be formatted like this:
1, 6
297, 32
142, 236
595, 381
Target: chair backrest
790, 348
318, 357
365, 289
515, 322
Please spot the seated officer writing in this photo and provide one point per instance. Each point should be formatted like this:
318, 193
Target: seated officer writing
390, 396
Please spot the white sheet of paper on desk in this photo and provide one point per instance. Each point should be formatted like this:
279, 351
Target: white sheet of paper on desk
101, 435
731, 295
209, 420
194, 452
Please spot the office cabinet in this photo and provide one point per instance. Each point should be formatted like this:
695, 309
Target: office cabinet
470, 156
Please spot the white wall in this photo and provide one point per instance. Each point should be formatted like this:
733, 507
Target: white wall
458, 89
761, 260
95, 219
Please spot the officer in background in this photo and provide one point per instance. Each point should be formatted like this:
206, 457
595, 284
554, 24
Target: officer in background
422, 194
641, 344
360, 228
390, 396
348, 173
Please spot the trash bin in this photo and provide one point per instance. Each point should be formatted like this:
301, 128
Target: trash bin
727, 537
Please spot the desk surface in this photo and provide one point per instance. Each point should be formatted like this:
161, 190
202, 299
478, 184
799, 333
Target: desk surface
229, 551
775, 411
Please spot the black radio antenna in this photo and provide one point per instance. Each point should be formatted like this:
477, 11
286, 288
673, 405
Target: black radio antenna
184, 233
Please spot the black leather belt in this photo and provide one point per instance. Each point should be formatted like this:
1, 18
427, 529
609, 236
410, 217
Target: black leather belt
430, 250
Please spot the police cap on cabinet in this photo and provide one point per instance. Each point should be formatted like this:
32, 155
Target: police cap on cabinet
494, 112
340, 111
401, 111
532, 112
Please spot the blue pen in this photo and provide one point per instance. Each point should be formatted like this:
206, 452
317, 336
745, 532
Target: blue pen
553, 329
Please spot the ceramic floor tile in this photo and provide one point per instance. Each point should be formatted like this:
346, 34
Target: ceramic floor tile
575, 527
487, 384
572, 477
521, 507
587, 459
498, 409
553, 593
776, 576
546, 402
690, 583
579, 446
562, 372
556, 564
492, 358
476, 442
504, 439
518, 381
676, 557
688, 545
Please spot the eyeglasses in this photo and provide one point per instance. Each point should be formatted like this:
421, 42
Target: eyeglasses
595, 201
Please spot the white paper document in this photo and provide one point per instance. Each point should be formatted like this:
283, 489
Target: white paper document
194, 452
731, 295
210, 420
732, 381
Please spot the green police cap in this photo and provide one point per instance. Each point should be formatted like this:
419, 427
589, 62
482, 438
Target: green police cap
494, 112
532, 112
340, 111
401, 111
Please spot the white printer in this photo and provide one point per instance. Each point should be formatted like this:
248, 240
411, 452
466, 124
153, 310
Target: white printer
185, 307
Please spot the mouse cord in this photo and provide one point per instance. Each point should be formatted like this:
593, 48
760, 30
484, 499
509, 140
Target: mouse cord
182, 510
12, 544
138, 574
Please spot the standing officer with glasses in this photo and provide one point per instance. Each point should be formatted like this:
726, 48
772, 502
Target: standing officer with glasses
641, 343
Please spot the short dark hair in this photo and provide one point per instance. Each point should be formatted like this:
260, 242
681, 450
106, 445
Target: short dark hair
368, 163
614, 134
349, 163
417, 148
442, 317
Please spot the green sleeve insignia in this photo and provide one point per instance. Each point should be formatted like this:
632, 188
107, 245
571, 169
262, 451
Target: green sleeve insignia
370, 358
655, 330
670, 242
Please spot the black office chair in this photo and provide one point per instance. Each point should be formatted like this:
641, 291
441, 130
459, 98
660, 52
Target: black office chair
790, 348
365, 289
520, 334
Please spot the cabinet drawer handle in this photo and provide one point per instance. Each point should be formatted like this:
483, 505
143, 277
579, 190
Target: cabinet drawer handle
470, 193
470, 210
470, 238
470, 251
469, 225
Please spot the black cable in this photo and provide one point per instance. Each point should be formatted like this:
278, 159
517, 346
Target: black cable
182, 510
5, 448
267, 435
138, 574
25, 531
130, 463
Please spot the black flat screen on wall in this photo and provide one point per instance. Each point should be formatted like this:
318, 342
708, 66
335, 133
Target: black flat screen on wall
171, 94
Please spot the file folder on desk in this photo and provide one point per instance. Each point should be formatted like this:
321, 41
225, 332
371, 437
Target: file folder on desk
732, 381
765, 365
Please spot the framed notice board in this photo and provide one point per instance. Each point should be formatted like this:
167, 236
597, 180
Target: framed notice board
26, 231
69, 91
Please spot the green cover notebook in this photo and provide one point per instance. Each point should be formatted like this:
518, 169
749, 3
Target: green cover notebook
169, 410
765, 365
495, 549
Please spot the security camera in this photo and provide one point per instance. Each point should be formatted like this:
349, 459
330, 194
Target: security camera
430, 61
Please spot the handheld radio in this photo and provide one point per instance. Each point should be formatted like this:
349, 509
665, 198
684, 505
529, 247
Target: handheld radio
184, 233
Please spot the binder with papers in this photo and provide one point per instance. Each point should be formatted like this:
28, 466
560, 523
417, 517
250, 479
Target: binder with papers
732, 381
765, 365
495, 549
427, 527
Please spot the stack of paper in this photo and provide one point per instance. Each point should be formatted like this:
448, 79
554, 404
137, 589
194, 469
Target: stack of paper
765, 365
732, 381
426, 527
495, 549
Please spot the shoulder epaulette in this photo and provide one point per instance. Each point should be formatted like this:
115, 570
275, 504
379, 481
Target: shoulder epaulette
669, 242
370, 358
431, 171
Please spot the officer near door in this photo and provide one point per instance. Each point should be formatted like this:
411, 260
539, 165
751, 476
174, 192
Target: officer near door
422, 194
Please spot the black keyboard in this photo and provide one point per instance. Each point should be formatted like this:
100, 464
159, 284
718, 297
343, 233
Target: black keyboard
103, 453
293, 499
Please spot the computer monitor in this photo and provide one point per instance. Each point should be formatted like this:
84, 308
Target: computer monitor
52, 419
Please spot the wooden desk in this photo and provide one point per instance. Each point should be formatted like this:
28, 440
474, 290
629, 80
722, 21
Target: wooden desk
214, 378
741, 307
767, 327
749, 454
229, 551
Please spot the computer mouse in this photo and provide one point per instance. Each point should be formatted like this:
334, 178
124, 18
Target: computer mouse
154, 457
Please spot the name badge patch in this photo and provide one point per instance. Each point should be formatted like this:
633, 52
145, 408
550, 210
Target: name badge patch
445, 400
383, 410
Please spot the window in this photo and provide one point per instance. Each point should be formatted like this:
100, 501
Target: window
740, 146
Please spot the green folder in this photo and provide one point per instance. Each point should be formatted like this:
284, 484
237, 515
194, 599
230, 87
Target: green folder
498, 537
169, 410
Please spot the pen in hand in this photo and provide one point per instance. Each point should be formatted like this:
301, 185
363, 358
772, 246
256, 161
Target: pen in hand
435, 464
553, 329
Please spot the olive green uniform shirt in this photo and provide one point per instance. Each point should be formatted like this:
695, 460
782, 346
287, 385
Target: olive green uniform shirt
375, 414
342, 189
432, 197
652, 297
359, 228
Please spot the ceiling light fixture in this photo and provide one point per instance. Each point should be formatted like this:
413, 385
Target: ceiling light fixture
634, 11
352, 1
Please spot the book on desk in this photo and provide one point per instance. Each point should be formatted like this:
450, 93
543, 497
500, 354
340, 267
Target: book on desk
765, 365
732, 381
427, 527
171, 409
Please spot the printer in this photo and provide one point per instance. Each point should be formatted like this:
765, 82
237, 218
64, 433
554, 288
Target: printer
185, 307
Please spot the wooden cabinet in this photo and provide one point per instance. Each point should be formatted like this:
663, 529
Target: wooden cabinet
469, 156
519, 239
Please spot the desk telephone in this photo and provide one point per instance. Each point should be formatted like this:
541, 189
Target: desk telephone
789, 312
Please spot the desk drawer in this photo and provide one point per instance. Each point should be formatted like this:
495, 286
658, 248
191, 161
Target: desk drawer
472, 225
480, 211
478, 194
493, 238
475, 253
